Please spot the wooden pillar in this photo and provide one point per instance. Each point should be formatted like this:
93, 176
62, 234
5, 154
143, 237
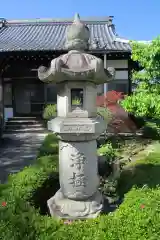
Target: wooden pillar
105, 66
105, 84
129, 76
45, 94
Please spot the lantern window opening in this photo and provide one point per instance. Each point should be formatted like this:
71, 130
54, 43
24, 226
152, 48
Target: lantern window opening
77, 97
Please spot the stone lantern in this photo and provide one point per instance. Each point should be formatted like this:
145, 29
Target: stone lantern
77, 75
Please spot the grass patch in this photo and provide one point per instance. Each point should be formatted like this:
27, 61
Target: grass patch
143, 172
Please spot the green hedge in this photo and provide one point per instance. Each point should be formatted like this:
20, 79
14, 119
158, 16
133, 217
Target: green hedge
138, 217
49, 111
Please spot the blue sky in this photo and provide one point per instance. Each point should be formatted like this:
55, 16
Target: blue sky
134, 19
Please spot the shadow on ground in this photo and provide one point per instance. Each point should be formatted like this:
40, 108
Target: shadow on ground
45, 192
139, 176
18, 151
151, 133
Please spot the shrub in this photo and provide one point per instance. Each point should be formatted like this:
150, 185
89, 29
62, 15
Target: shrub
137, 217
49, 146
104, 113
108, 151
49, 111
111, 97
110, 109
142, 104
19, 218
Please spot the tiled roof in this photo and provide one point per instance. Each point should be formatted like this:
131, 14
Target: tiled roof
40, 35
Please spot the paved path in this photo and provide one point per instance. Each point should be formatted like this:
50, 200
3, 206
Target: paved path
17, 151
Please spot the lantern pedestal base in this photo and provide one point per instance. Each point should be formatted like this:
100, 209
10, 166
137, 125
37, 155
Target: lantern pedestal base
64, 208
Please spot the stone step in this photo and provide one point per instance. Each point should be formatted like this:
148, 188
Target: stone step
19, 122
24, 126
26, 130
23, 118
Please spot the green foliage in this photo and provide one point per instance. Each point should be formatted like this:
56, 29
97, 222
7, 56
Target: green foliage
49, 146
108, 151
143, 172
76, 101
143, 104
19, 219
105, 113
49, 111
148, 55
138, 217
108, 187
145, 101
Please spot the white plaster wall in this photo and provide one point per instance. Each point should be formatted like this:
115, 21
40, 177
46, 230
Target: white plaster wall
117, 63
121, 75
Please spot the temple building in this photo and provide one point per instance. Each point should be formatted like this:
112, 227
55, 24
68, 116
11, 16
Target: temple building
27, 44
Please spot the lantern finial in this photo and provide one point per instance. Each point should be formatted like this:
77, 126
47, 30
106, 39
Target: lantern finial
77, 35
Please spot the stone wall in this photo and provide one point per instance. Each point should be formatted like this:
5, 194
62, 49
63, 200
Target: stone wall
1, 107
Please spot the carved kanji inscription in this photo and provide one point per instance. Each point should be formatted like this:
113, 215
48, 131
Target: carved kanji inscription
78, 180
78, 160
77, 128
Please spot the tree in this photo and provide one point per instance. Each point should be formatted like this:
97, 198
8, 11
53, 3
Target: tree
145, 101
148, 56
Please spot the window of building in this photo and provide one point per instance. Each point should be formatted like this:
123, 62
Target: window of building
36, 93
118, 87
7, 94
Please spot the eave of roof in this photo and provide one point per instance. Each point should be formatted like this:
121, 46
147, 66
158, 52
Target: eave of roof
49, 35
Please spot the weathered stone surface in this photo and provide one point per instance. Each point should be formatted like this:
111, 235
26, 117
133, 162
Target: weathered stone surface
77, 35
78, 169
68, 128
64, 107
78, 197
77, 74
65, 208
76, 64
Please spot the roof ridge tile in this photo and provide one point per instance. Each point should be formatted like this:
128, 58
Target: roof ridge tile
60, 20
49, 36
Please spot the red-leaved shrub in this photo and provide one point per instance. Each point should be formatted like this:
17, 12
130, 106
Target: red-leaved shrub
111, 97
120, 122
